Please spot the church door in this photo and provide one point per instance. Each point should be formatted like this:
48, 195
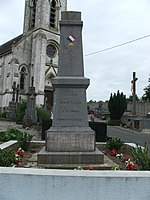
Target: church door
48, 98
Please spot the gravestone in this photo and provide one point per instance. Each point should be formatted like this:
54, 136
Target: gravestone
17, 95
31, 112
13, 103
70, 140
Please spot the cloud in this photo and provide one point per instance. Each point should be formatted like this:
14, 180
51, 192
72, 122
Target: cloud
106, 24
11, 19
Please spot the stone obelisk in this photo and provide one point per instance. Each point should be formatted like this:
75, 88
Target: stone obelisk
70, 139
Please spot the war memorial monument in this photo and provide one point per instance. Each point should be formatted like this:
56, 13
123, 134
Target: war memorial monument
70, 140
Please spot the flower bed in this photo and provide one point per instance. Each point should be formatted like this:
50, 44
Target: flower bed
118, 157
13, 155
26, 155
122, 159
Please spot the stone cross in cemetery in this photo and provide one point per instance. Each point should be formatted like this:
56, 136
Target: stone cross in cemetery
14, 91
17, 95
31, 112
70, 140
13, 103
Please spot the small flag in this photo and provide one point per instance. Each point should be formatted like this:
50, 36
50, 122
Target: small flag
72, 38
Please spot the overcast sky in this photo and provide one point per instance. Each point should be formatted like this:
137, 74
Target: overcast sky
107, 23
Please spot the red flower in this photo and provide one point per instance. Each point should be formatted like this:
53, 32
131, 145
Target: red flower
125, 159
90, 168
113, 152
131, 166
17, 159
17, 162
20, 152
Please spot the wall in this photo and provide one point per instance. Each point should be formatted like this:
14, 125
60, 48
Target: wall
41, 184
142, 108
145, 123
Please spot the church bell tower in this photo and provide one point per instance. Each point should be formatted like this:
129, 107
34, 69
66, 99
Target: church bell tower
41, 25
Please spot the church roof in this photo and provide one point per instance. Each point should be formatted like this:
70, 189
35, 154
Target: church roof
7, 47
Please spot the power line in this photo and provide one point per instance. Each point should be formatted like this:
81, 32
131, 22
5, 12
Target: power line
116, 46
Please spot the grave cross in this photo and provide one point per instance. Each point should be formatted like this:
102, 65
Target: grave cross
134, 94
32, 81
14, 91
17, 93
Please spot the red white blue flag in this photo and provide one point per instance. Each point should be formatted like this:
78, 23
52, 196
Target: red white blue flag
71, 38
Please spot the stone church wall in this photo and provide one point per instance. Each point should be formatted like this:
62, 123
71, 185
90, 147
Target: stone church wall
29, 51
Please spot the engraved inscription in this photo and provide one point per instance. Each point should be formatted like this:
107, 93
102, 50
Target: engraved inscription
70, 107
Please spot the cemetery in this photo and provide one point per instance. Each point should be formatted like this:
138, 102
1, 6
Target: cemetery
71, 164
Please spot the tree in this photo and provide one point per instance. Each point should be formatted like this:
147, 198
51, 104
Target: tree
117, 104
91, 101
146, 95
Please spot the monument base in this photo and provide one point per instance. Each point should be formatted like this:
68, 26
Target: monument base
68, 139
95, 157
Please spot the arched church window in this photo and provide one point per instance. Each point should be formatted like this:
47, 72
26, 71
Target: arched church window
53, 14
22, 78
51, 50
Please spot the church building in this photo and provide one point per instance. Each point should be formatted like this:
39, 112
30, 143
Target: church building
31, 59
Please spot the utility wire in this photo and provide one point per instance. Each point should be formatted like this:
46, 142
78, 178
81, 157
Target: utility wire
116, 46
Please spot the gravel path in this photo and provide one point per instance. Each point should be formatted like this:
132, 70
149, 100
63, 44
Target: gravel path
4, 125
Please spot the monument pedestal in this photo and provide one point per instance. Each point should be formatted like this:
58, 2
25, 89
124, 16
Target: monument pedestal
70, 140
84, 158
70, 145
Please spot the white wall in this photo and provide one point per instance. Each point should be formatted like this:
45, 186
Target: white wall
46, 184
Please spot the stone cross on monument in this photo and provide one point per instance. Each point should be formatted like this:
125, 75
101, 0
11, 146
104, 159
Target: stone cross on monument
70, 140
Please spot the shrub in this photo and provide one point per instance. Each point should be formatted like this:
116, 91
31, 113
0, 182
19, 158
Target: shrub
114, 122
3, 114
6, 158
10, 134
117, 105
24, 140
43, 113
141, 157
21, 111
114, 144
